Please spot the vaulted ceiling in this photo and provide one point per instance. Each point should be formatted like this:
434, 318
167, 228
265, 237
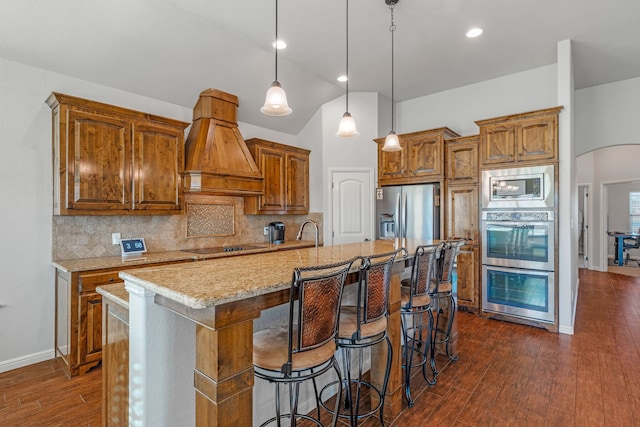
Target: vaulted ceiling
173, 49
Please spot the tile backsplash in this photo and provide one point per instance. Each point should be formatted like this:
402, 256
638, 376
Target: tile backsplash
207, 221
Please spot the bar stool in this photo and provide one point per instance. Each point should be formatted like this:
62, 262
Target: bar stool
362, 326
305, 348
416, 303
442, 288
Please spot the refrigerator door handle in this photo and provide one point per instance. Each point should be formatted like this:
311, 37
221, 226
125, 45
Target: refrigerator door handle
404, 215
397, 220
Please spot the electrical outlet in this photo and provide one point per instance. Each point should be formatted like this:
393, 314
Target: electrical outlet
115, 238
266, 231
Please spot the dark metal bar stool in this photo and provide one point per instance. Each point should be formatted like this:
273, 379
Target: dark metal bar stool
361, 326
305, 348
416, 303
442, 288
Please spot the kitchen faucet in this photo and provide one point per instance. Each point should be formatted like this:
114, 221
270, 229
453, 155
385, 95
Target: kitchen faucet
308, 221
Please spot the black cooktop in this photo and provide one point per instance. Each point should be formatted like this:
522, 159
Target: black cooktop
222, 249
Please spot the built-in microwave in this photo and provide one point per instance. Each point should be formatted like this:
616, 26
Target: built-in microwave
519, 188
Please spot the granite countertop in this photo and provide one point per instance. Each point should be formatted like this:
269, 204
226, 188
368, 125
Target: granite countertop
216, 281
116, 292
86, 264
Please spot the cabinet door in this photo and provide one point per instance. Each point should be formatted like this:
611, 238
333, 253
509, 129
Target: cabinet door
90, 333
462, 163
297, 183
99, 158
497, 144
536, 139
272, 164
424, 156
467, 268
462, 212
157, 167
391, 165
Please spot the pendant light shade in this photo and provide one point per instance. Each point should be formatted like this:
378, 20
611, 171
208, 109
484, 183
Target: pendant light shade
347, 127
275, 103
391, 142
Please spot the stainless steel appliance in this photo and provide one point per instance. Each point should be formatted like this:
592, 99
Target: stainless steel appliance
276, 232
518, 242
409, 211
521, 239
519, 292
519, 188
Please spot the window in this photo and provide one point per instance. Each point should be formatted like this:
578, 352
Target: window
634, 211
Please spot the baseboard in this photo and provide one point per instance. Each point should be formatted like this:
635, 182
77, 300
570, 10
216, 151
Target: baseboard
30, 359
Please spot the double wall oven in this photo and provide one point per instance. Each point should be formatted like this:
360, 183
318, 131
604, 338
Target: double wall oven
518, 241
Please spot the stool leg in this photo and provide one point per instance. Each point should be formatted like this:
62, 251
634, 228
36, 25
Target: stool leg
336, 409
278, 422
408, 357
315, 390
449, 326
385, 383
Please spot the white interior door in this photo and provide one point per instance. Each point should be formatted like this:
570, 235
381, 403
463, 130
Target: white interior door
352, 206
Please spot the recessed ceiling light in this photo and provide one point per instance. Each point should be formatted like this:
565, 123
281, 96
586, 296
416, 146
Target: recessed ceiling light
279, 44
343, 78
474, 32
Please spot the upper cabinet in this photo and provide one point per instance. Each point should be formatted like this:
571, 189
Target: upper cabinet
462, 160
113, 161
420, 160
519, 139
286, 178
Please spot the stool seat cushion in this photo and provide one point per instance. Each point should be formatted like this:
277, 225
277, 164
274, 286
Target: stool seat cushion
418, 301
270, 348
349, 324
443, 288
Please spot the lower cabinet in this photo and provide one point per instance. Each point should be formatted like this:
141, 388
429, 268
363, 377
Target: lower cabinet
115, 356
79, 312
468, 269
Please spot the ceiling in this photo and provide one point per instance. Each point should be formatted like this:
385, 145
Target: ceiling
173, 49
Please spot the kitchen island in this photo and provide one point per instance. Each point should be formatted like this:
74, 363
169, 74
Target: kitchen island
191, 325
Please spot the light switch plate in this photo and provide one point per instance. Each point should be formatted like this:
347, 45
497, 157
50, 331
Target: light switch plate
115, 238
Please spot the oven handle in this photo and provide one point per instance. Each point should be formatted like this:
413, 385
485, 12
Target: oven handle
516, 224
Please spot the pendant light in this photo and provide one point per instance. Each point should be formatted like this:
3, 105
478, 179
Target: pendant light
347, 127
275, 103
391, 142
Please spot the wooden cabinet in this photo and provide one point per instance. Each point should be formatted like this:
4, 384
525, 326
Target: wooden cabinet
78, 326
462, 160
115, 358
112, 161
286, 178
461, 210
421, 159
519, 139
468, 283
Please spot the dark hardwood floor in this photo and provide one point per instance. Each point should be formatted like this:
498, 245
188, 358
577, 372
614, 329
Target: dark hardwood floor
507, 374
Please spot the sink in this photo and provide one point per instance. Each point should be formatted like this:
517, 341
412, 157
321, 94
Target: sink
222, 249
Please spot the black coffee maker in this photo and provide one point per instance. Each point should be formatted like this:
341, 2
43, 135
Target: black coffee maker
276, 232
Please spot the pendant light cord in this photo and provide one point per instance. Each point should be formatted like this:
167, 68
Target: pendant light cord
347, 38
276, 42
392, 28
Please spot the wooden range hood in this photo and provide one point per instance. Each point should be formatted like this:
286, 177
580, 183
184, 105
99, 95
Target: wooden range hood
217, 158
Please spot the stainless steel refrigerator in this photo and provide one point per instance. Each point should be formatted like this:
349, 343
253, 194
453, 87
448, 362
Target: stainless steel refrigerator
410, 211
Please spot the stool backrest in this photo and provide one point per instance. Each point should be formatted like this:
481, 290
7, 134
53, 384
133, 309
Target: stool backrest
422, 270
447, 259
314, 303
373, 288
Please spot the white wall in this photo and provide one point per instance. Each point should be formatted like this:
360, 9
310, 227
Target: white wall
354, 152
458, 108
607, 115
27, 278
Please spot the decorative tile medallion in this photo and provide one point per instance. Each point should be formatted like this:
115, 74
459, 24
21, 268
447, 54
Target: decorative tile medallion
210, 220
